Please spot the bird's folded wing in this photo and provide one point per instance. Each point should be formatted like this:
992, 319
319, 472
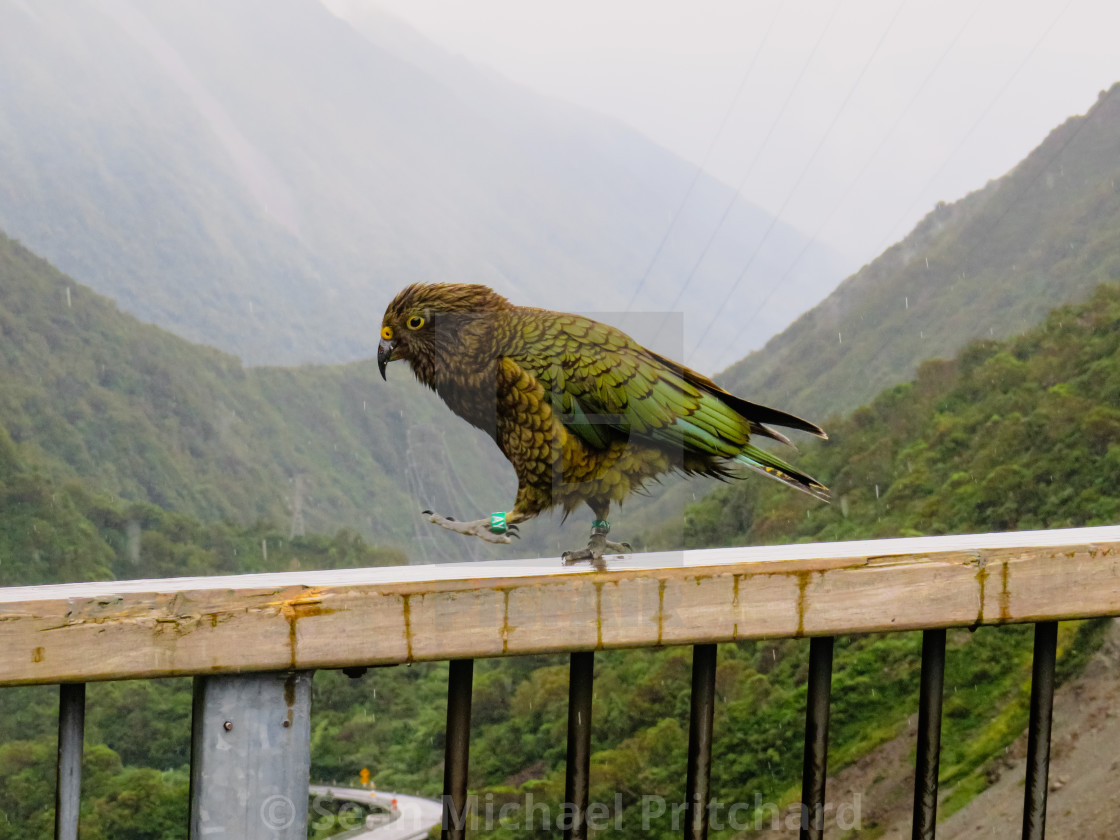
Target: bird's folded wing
602, 383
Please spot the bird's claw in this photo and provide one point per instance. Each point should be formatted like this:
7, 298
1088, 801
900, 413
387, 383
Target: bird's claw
597, 546
478, 528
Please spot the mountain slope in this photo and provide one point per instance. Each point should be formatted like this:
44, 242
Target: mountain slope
1009, 435
261, 177
989, 265
148, 416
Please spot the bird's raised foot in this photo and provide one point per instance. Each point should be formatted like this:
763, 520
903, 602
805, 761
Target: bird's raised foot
597, 546
481, 528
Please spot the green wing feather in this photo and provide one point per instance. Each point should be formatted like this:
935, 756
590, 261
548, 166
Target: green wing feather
602, 382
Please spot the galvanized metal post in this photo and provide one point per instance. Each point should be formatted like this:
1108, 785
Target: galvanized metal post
815, 768
698, 780
929, 734
68, 781
251, 756
457, 745
1038, 730
577, 770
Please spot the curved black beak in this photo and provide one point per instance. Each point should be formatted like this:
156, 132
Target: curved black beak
385, 354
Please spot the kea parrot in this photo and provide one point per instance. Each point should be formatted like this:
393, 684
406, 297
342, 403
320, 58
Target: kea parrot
583, 412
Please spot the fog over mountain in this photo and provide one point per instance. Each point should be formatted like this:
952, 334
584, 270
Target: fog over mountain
988, 266
262, 176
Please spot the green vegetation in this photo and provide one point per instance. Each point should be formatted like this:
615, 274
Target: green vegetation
138, 733
127, 452
51, 533
1010, 435
1017, 434
990, 265
139, 413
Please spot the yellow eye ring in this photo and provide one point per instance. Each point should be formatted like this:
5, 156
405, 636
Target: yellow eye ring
387, 333
415, 322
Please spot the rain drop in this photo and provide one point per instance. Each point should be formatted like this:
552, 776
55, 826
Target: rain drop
67, 297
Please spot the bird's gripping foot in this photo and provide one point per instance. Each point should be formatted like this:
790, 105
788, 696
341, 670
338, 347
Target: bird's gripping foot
597, 546
494, 529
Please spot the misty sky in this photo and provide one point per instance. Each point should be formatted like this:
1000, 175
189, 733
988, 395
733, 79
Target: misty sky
848, 119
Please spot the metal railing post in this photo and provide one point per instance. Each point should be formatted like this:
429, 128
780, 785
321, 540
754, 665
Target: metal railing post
815, 768
1038, 730
68, 781
698, 783
929, 734
251, 756
577, 769
457, 745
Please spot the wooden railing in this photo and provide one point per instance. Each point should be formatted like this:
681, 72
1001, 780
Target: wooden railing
252, 642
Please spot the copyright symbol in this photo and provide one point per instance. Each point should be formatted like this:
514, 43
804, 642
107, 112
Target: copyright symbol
278, 812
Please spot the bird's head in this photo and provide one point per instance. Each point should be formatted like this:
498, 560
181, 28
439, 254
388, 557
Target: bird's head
424, 321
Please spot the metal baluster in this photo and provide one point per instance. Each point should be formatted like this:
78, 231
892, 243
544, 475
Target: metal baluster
929, 734
577, 771
1038, 731
68, 782
457, 748
698, 785
815, 768
251, 756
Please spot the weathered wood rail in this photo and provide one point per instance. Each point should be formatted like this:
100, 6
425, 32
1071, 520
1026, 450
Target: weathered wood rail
219, 629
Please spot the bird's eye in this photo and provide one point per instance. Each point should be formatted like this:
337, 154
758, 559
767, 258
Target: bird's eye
415, 322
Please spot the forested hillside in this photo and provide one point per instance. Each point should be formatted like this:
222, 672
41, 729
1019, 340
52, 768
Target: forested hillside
1011, 435
147, 416
989, 265
54, 531
1022, 433
144, 153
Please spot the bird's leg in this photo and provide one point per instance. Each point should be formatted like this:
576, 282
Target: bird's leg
496, 528
597, 546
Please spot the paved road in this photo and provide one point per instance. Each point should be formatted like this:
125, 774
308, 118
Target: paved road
413, 818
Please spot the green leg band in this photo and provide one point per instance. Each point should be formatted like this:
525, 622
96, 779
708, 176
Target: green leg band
498, 523
600, 526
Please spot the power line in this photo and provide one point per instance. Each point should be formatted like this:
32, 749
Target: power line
704, 162
999, 94
986, 238
859, 175
805, 171
758, 153
972, 130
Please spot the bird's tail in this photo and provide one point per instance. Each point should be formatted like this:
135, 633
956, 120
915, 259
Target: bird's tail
764, 462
